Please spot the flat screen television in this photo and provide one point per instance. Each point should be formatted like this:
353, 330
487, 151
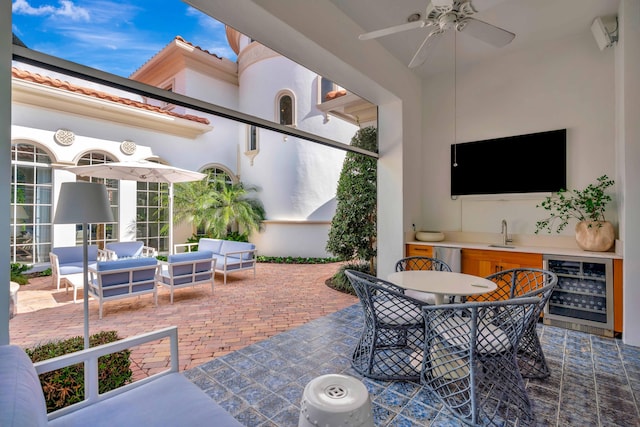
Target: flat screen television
532, 163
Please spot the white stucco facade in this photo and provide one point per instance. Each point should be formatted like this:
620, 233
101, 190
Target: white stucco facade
297, 180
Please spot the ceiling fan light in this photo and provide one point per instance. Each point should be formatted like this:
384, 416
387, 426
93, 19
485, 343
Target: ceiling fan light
448, 20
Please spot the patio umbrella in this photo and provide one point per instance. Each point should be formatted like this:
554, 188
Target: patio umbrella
143, 171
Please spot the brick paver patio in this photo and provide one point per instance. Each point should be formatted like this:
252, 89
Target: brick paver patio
240, 313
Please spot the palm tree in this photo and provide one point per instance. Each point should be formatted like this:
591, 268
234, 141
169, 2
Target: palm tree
218, 207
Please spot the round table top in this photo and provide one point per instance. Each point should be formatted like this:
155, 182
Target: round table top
442, 282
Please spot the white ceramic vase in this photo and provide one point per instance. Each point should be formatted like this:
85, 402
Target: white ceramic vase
595, 236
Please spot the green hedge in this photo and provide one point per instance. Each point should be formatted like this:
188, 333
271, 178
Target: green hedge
341, 283
64, 387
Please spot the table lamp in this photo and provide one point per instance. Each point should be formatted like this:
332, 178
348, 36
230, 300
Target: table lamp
83, 203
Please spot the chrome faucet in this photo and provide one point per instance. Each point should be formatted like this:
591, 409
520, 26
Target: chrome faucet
505, 235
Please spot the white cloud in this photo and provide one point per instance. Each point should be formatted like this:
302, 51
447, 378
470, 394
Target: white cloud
23, 7
70, 10
66, 9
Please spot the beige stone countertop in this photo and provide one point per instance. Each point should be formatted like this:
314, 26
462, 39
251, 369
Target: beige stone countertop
554, 245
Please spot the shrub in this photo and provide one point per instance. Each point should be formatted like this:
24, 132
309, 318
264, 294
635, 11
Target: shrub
17, 273
352, 235
341, 283
237, 237
64, 387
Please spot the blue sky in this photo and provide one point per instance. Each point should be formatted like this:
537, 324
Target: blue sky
114, 36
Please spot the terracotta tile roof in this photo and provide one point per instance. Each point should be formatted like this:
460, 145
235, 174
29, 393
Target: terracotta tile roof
64, 85
180, 38
335, 94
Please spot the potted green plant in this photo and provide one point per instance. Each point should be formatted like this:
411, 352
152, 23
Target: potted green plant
593, 231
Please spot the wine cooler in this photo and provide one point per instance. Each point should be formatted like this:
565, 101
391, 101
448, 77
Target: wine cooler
583, 298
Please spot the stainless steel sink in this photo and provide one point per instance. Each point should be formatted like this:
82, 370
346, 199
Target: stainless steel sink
502, 246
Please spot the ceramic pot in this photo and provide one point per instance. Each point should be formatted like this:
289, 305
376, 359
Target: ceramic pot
429, 236
595, 236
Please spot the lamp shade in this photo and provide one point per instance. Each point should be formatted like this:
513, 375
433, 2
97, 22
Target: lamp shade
83, 202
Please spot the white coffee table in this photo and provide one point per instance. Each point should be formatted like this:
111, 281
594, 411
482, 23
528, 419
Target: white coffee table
76, 282
441, 283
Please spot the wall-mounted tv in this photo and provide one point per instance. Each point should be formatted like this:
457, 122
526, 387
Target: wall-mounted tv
533, 163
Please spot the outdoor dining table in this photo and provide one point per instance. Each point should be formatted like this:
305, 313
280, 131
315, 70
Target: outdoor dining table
441, 283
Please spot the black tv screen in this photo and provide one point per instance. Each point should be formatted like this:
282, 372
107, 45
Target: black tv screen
533, 163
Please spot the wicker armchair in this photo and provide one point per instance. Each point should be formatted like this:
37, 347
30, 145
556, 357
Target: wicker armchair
470, 362
393, 332
524, 282
422, 263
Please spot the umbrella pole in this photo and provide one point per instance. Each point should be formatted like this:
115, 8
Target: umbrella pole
85, 282
170, 218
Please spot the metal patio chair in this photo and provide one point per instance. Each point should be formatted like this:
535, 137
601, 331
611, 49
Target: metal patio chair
470, 362
524, 282
393, 331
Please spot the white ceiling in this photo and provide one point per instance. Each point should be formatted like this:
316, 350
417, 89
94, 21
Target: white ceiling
533, 21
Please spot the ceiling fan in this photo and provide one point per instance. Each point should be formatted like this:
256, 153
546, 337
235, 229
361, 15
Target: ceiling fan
443, 15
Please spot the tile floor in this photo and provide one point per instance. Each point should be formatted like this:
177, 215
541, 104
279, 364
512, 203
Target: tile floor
595, 381
257, 365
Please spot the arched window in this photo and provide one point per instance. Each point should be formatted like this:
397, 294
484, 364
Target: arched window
217, 173
31, 207
285, 107
100, 234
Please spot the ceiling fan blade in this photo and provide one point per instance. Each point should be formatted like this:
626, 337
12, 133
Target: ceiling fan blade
392, 30
425, 48
480, 5
442, 3
488, 33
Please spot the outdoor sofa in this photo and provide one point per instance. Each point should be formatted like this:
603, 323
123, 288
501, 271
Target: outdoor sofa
187, 269
230, 256
66, 263
163, 399
123, 278
118, 250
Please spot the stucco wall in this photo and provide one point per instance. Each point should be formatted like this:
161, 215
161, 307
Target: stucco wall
565, 84
297, 179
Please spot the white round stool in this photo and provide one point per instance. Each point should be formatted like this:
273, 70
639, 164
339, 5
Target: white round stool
335, 400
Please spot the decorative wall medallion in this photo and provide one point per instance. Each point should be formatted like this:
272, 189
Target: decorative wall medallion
64, 137
128, 147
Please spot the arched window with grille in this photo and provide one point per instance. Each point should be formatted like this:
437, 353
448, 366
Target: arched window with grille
219, 173
31, 204
100, 234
